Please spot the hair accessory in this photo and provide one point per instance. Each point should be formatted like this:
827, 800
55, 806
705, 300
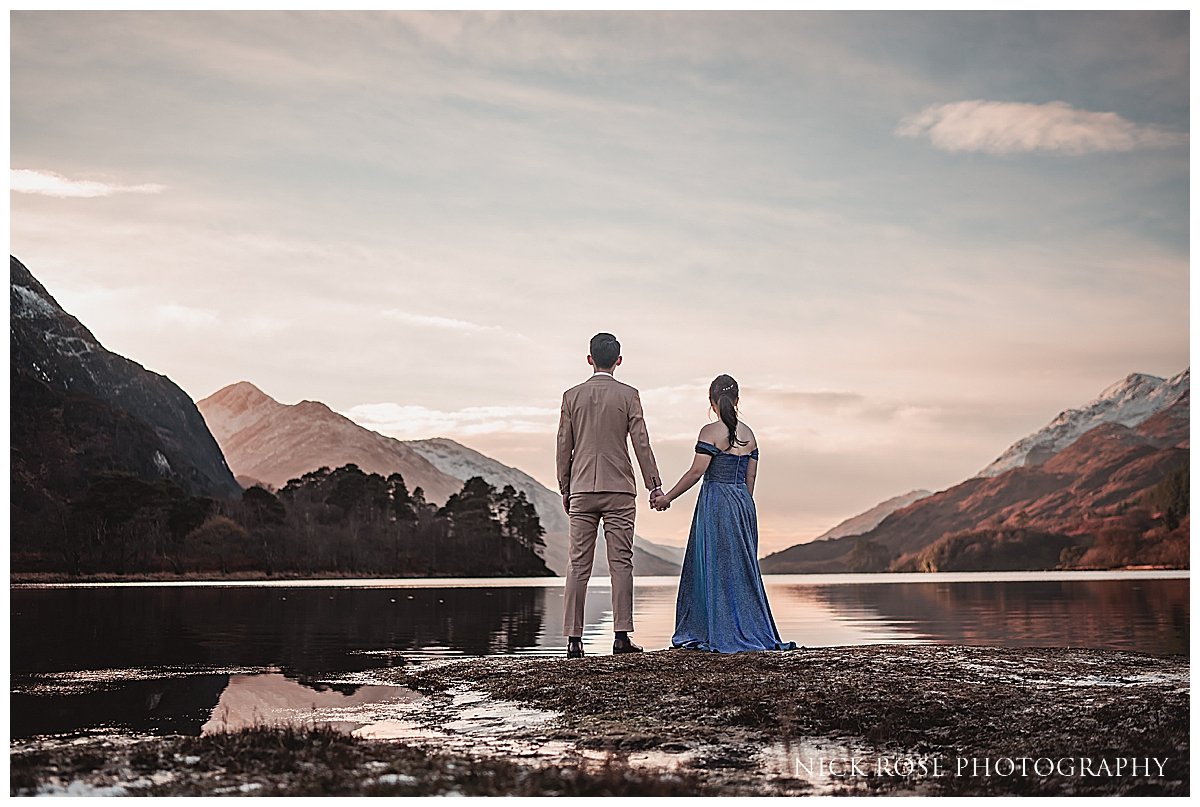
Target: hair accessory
727, 389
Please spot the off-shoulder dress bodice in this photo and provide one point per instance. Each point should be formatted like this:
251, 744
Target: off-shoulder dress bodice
725, 468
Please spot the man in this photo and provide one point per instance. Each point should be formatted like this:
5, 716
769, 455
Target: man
597, 484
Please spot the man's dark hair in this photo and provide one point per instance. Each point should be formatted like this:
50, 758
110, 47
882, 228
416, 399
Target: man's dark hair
605, 350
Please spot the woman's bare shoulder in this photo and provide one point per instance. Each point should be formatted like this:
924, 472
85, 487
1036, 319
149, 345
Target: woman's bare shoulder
710, 431
748, 436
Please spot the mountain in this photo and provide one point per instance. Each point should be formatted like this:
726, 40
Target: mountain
868, 520
78, 409
1128, 402
1096, 490
273, 442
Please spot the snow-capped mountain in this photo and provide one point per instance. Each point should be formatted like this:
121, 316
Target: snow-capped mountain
1094, 471
1129, 402
271, 442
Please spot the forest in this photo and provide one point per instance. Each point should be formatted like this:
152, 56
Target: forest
340, 522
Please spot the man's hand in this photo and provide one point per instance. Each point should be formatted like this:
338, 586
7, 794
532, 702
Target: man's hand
658, 500
567, 503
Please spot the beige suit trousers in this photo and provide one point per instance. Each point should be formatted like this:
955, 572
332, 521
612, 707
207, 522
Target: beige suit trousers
617, 511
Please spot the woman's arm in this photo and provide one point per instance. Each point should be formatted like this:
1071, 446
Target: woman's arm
751, 473
690, 477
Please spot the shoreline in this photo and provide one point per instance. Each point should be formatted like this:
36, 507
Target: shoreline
676, 722
57, 578
19, 579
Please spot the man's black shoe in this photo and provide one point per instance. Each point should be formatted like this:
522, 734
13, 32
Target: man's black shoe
625, 646
574, 649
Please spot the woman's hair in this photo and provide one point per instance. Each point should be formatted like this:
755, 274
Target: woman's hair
723, 391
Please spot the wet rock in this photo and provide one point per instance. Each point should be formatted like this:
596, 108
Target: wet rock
916, 703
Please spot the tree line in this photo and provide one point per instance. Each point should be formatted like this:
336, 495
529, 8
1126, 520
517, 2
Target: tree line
340, 522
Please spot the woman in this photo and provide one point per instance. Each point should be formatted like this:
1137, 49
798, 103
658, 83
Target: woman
722, 606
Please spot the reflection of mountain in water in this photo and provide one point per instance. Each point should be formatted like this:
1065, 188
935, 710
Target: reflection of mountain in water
1130, 615
267, 700
157, 706
303, 631
197, 704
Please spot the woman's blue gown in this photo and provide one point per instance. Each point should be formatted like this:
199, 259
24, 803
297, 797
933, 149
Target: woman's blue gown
722, 606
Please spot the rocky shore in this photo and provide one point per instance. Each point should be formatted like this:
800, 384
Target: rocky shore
926, 719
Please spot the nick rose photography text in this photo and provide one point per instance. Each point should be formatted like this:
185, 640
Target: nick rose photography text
983, 766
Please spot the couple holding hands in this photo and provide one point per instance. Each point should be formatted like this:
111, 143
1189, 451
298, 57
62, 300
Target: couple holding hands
722, 605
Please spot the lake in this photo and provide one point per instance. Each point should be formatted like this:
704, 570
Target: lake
192, 657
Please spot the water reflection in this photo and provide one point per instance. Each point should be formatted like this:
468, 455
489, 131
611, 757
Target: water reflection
802, 614
274, 700
169, 659
311, 631
1146, 615
178, 705
303, 631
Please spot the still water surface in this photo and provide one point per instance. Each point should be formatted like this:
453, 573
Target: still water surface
182, 658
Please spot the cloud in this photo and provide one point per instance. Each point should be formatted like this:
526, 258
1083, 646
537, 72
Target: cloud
186, 316
48, 183
822, 401
998, 127
419, 422
448, 323
445, 323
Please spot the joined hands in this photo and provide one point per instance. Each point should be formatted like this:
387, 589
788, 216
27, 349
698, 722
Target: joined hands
659, 500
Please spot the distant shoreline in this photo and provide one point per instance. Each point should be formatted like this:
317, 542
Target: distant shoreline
23, 579
35, 578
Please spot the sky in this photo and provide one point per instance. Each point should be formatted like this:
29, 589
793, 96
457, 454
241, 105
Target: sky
913, 238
